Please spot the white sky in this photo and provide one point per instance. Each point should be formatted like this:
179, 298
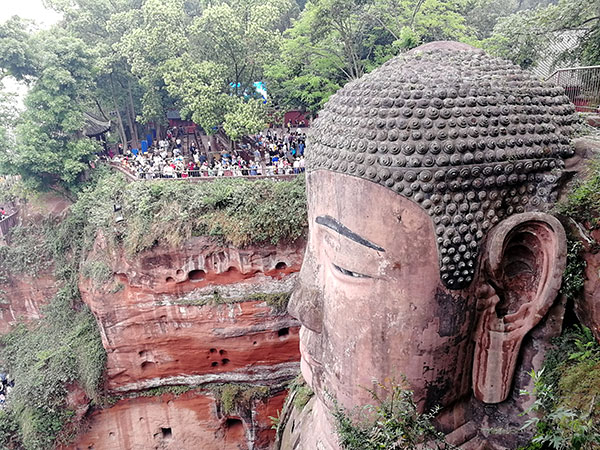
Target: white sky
28, 9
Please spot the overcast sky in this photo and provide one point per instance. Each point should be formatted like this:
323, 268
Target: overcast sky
29, 9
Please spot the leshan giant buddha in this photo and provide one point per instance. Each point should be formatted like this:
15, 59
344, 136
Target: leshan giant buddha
430, 253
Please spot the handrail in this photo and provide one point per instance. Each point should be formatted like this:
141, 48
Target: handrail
581, 85
564, 69
159, 176
9, 216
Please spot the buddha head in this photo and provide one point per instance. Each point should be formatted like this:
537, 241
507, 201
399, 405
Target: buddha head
431, 254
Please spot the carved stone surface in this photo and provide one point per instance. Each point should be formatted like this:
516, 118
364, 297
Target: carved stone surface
472, 139
430, 256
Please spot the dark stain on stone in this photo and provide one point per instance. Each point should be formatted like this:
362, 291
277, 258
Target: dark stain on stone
451, 311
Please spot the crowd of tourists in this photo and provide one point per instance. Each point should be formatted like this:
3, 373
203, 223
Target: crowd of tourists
270, 153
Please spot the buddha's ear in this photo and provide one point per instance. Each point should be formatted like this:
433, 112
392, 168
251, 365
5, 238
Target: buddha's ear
522, 266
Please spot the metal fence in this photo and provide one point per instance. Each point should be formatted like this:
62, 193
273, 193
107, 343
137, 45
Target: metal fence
203, 175
7, 223
582, 86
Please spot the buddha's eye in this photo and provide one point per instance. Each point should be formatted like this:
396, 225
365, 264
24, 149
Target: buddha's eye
350, 273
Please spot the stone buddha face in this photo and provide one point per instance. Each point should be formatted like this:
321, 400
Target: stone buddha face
371, 301
428, 258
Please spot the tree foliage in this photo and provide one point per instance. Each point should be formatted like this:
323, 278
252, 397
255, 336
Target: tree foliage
335, 41
525, 36
50, 144
247, 117
17, 53
141, 58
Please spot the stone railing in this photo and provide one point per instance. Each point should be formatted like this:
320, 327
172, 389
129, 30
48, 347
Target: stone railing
582, 86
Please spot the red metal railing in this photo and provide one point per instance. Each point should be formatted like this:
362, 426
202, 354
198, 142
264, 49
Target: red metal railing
582, 86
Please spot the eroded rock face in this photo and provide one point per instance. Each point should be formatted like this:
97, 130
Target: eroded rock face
586, 306
21, 298
192, 316
170, 320
189, 421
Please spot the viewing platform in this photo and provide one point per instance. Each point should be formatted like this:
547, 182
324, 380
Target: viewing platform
195, 176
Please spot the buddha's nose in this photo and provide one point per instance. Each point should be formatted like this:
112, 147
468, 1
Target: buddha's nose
306, 301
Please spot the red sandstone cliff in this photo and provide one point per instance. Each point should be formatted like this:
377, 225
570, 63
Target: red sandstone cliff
189, 421
21, 298
195, 316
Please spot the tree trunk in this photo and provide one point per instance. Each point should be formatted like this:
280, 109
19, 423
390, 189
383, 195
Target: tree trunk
131, 117
119, 119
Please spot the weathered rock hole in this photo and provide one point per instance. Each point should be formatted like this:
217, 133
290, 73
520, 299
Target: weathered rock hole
224, 361
233, 424
196, 275
232, 270
141, 419
122, 277
142, 353
166, 432
254, 343
179, 272
170, 280
147, 364
214, 364
111, 434
222, 352
283, 332
213, 350
280, 266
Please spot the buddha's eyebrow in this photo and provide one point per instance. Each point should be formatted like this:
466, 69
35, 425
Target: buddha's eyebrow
333, 224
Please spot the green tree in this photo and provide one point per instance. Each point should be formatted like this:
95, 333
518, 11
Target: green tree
483, 15
17, 53
246, 117
334, 41
101, 25
241, 35
525, 36
8, 120
201, 88
325, 47
50, 145
151, 39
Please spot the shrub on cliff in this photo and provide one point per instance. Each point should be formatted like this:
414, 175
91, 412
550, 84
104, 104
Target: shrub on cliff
239, 212
53, 355
168, 212
393, 422
63, 349
583, 201
567, 394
